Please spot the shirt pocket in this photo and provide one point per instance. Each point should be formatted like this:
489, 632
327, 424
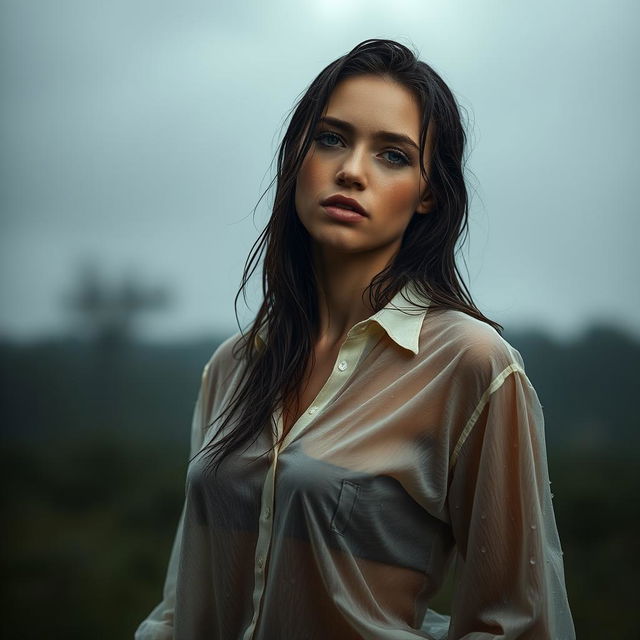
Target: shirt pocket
346, 504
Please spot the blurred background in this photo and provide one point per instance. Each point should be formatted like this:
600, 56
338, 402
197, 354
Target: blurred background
136, 139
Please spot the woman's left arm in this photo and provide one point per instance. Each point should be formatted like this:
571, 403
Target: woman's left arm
509, 580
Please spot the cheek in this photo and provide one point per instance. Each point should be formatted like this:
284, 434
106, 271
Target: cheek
402, 194
309, 174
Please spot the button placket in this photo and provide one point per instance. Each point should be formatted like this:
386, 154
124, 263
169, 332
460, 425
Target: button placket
263, 545
350, 352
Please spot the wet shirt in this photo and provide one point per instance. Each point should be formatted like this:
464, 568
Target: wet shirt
424, 451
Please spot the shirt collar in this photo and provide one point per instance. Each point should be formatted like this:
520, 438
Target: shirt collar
401, 319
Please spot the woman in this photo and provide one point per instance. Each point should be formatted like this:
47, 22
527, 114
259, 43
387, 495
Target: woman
377, 425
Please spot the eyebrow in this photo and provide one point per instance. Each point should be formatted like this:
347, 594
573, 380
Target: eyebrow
381, 135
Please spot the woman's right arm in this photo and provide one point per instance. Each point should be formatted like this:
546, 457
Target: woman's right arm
158, 625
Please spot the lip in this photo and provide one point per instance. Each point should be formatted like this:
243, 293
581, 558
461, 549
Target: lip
344, 215
338, 199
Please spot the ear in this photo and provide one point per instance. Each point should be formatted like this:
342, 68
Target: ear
427, 202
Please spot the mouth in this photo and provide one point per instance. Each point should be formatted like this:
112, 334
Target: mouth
343, 202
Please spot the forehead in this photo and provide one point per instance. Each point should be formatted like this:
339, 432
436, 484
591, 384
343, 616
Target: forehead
373, 103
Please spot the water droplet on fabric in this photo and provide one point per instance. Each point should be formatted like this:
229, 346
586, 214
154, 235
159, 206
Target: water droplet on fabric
532, 561
533, 526
483, 550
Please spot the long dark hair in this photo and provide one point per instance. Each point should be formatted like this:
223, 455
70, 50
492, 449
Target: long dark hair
426, 257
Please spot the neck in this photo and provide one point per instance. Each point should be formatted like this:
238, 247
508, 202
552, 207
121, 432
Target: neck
342, 279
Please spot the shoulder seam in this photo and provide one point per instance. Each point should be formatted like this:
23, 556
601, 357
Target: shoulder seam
495, 384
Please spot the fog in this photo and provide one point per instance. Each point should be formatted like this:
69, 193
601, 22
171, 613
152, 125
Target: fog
139, 136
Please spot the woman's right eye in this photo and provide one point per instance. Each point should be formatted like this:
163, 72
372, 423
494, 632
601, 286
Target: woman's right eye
322, 138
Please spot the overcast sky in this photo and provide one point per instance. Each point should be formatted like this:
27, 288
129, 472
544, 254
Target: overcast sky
140, 134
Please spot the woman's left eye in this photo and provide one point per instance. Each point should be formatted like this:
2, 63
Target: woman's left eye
403, 158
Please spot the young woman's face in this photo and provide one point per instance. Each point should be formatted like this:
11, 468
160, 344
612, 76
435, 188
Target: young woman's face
356, 160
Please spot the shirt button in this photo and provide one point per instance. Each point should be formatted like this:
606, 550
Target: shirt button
343, 365
260, 563
313, 410
267, 512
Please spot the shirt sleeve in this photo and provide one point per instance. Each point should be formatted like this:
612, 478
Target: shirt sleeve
158, 625
509, 577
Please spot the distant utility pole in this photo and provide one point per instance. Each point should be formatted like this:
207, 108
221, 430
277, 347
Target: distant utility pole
107, 315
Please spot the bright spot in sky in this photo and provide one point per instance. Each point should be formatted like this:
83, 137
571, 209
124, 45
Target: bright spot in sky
338, 10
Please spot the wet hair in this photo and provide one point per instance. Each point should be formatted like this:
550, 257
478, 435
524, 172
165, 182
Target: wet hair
427, 255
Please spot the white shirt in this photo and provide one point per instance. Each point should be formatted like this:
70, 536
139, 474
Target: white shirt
425, 444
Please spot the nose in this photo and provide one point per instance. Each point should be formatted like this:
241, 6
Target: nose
351, 171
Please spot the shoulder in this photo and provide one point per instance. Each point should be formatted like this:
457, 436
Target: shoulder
222, 360
474, 344
217, 374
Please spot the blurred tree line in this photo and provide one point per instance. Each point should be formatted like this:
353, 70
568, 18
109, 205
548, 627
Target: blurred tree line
95, 443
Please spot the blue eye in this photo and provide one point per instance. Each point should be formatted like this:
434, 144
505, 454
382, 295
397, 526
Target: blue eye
403, 158
323, 136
